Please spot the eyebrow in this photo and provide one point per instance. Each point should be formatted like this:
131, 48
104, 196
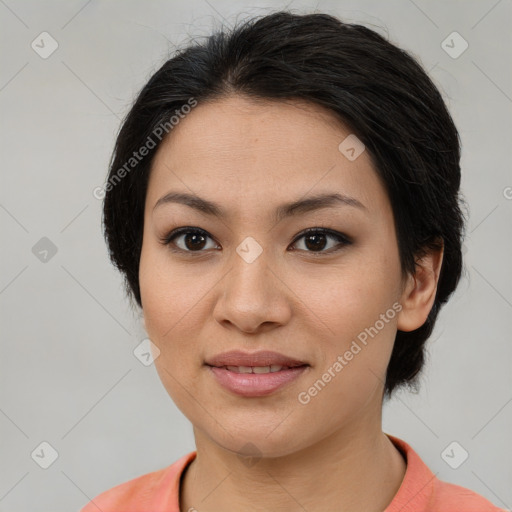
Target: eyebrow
293, 208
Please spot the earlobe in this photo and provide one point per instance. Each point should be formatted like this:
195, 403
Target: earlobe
420, 291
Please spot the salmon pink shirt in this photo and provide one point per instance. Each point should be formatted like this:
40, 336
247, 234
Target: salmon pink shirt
420, 491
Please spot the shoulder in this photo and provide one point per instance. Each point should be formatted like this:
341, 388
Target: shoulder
448, 497
133, 493
422, 491
143, 493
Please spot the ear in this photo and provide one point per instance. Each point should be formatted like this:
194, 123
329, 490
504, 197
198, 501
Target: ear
420, 290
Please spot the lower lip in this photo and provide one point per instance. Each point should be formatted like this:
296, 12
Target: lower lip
255, 384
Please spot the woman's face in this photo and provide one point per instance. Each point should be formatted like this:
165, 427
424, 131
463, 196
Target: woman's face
254, 281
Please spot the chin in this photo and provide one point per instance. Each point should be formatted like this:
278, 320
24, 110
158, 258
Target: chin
258, 443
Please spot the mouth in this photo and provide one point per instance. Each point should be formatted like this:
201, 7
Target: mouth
263, 361
268, 373
258, 382
273, 368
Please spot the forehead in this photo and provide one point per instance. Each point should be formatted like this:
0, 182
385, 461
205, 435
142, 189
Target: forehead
262, 151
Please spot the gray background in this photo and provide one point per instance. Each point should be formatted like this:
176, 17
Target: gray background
68, 373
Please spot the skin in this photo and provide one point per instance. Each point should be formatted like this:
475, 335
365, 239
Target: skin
250, 157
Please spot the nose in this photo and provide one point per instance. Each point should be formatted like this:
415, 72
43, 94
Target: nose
253, 294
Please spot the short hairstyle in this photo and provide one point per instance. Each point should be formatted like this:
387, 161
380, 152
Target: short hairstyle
373, 87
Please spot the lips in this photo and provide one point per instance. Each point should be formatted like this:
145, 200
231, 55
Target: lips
256, 374
238, 358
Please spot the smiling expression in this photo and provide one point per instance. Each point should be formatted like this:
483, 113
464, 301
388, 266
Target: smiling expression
237, 172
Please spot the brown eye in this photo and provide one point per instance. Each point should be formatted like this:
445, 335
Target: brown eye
188, 239
316, 240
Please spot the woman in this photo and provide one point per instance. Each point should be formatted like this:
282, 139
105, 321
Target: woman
283, 201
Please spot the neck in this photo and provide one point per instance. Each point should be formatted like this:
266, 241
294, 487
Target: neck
352, 469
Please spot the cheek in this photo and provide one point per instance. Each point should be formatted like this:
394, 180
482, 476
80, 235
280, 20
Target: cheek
358, 323
168, 300
175, 301
167, 293
349, 297
352, 307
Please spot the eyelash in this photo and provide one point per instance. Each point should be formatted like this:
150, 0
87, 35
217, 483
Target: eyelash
342, 239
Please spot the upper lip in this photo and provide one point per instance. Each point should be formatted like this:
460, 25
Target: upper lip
261, 358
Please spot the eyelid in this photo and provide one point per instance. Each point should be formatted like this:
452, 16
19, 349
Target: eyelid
167, 239
343, 239
325, 231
